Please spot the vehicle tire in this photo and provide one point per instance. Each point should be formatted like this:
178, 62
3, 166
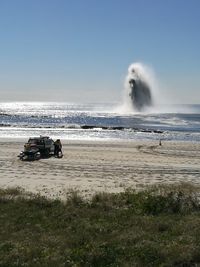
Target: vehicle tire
36, 157
60, 154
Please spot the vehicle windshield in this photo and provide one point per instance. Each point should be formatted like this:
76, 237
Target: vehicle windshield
35, 141
32, 141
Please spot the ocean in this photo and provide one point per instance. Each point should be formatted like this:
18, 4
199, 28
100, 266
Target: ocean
97, 121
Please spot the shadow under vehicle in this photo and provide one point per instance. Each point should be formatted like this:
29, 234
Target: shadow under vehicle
37, 147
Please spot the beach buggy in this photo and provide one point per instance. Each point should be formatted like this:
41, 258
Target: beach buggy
38, 147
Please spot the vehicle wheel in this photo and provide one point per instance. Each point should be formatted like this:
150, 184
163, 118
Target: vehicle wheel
36, 156
60, 155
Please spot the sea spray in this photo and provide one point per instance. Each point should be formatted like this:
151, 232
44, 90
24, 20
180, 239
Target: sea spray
139, 84
143, 93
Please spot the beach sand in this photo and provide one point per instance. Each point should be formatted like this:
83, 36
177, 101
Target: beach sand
90, 167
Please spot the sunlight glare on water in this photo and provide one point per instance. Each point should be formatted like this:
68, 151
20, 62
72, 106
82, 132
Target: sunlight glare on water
96, 121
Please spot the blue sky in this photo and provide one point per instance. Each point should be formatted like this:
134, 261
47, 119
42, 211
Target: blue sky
79, 50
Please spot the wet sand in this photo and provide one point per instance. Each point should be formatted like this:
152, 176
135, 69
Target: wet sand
93, 166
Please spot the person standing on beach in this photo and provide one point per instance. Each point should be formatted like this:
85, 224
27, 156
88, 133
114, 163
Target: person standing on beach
58, 147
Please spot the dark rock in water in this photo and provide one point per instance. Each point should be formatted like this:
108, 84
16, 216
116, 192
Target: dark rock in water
120, 128
157, 131
140, 94
4, 125
117, 128
88, 127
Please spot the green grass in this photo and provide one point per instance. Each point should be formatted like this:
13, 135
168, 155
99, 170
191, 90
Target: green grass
159, 226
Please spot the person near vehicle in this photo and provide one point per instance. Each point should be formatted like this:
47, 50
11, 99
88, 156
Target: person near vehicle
58, 147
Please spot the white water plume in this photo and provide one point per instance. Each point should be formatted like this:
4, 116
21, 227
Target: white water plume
140, 89
143, 94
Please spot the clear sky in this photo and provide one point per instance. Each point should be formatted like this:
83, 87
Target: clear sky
79, 50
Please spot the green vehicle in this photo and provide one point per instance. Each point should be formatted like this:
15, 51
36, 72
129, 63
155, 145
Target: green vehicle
37, 147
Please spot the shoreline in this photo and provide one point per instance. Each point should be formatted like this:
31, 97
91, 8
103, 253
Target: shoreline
23, 139
96, 166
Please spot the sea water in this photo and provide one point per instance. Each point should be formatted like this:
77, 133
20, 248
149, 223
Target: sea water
98, 121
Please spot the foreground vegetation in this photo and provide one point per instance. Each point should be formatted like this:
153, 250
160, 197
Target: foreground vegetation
157, 227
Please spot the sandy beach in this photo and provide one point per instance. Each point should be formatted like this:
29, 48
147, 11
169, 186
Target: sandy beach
93, 166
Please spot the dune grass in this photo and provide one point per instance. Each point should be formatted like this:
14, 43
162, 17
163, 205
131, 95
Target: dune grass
159, 226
